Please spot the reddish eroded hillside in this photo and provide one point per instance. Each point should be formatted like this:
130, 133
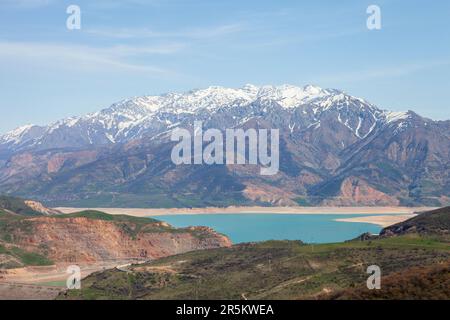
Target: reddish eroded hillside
80, 238
355, 191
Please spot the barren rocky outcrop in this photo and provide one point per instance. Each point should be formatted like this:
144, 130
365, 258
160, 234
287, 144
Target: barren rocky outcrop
355, 191
39, 207
87, 240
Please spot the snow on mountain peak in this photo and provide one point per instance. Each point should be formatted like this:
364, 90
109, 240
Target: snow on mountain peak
250, 88
214, 97
289, 96
392, 116
19, 135
19, 131
133, 117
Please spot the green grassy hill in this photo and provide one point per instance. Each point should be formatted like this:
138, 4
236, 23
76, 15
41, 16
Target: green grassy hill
292, 270
436, 222
16, 205
418, 283
13, 211
269, 270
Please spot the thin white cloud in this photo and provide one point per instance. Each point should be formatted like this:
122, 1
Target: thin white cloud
384, 72
115, 4
82, 57
97, 4
25, 3
142, 33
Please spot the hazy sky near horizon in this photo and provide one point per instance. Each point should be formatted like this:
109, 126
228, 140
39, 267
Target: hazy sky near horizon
134, 47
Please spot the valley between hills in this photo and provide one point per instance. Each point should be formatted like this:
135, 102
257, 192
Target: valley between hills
375, 215
414, 257
126, 257
37, 244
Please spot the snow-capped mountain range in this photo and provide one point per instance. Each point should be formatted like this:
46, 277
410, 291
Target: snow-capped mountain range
136, 117
335, 149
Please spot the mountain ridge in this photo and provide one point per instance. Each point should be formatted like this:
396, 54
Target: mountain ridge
132, 112
335, 149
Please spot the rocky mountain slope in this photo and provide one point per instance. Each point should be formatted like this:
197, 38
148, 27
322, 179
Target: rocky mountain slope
413, 265
335, 149
93, 236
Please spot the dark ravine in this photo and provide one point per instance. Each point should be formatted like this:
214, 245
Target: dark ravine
336, 150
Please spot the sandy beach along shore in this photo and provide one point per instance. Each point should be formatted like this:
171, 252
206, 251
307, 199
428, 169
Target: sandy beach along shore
381, 220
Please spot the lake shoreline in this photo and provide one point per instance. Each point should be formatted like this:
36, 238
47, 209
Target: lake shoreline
149, 212
380, 220
380, 216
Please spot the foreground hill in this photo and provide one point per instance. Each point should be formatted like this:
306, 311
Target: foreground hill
92, 236
336, 149
417, 283
414, 266
436, 222
24, 207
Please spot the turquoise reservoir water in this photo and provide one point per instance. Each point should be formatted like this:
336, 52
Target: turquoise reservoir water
313, 228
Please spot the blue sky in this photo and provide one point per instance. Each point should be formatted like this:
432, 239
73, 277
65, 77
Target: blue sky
135, 47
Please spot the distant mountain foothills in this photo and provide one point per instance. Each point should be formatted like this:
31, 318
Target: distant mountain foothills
335, 150
32, 235
414, 258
